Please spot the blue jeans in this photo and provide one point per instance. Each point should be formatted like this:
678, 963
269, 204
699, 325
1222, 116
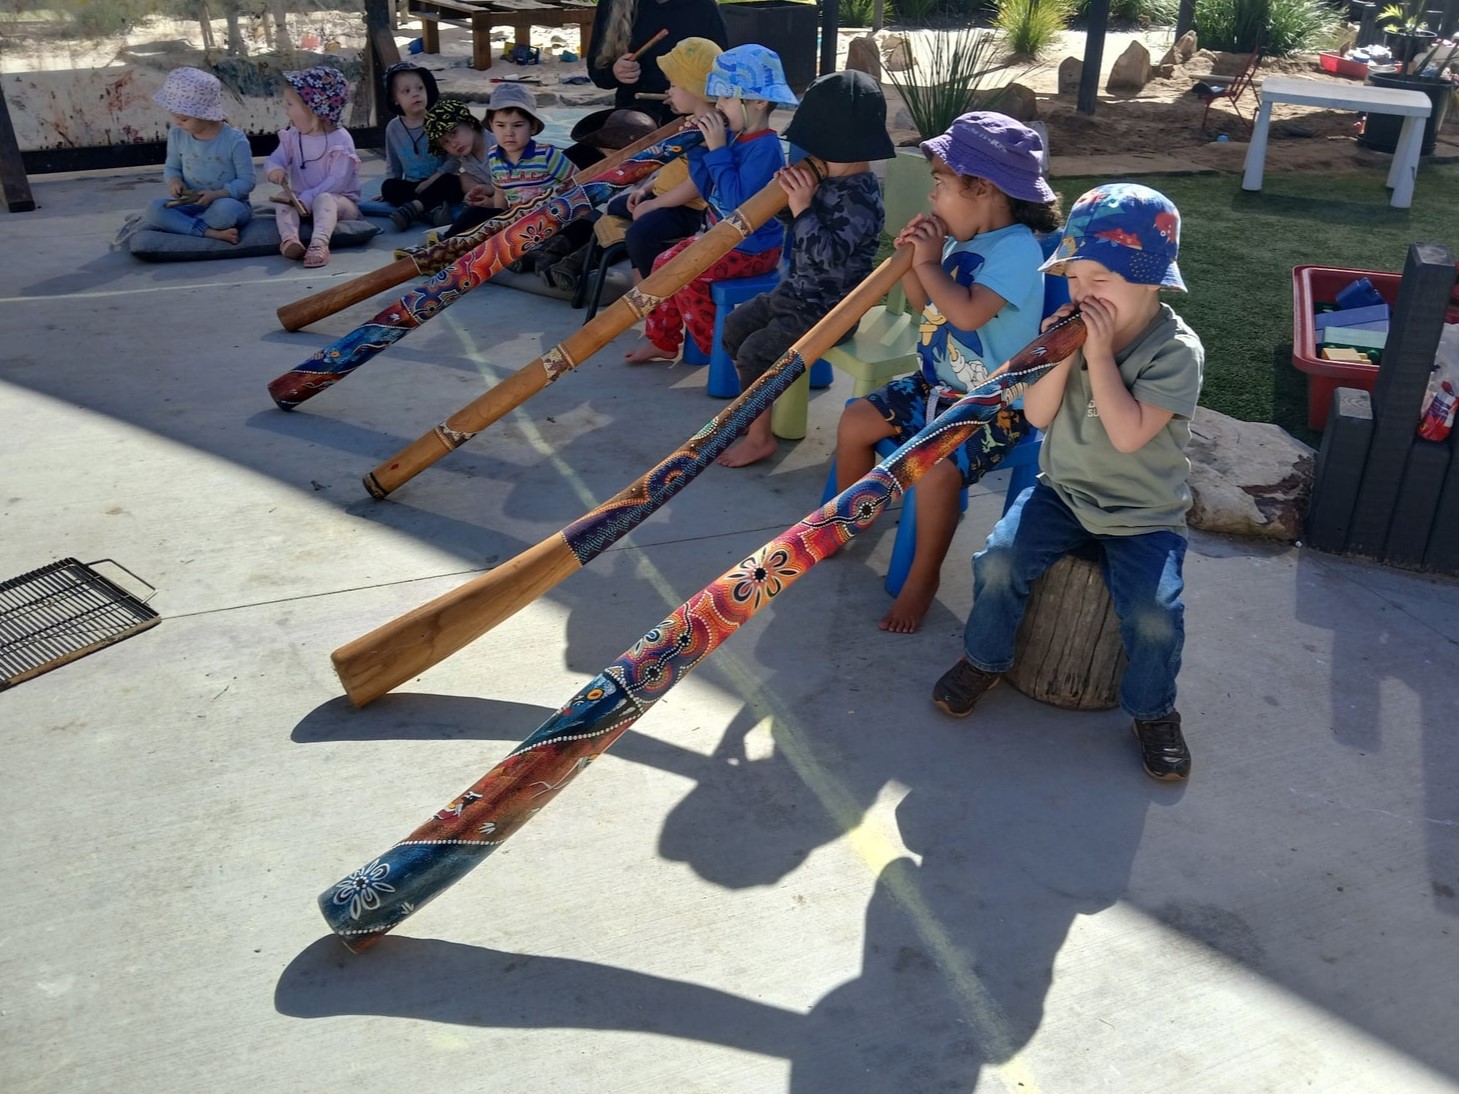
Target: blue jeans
194, 220
1144, 580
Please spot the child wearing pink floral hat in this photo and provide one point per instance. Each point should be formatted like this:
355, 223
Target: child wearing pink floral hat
315, 162
209, 168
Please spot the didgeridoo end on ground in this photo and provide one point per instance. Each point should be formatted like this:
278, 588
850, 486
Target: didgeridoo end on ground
366, 904
582, 343
400, 650
311, 309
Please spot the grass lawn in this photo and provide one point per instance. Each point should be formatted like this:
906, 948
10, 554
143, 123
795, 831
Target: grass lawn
1237, 251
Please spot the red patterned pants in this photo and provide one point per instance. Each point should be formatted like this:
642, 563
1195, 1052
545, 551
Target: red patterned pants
692, 306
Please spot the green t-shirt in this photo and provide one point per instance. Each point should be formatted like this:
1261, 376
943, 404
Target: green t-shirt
1117, 493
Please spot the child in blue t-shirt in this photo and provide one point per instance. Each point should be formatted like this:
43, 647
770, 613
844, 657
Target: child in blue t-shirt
975, 276
738, 159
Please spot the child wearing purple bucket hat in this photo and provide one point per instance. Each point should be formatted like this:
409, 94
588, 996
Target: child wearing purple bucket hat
315, 162
209, 168
1113, 470
975, 276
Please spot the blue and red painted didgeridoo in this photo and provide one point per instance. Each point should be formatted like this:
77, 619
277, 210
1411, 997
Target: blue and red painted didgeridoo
539, 223
380, 895
408, 645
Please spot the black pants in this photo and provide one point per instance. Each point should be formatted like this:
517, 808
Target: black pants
446, 189
652, 234
759, 331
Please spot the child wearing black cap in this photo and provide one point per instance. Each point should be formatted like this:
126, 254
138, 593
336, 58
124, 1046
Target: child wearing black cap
416, 176
837, 223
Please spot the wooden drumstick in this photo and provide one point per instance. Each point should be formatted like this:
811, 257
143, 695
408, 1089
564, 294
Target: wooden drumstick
633, 55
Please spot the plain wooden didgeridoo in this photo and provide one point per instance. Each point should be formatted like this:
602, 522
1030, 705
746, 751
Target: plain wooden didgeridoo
311, 309
531, 378
405, 647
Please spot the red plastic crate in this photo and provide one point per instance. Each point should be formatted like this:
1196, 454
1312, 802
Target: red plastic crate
1339, 65
1313, 285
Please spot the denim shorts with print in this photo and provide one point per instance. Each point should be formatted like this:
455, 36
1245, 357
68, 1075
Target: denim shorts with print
903, 403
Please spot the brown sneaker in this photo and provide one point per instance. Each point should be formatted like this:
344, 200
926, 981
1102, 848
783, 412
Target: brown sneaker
961, 687
1162, 747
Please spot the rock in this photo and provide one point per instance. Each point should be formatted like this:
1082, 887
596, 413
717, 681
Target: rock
903, 119
1018, 102
896, 53
1071, 71
1248, 479
1164, 71
1131, 71
1186, 47
864, 55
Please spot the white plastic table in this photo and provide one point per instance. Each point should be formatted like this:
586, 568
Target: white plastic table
1413, 106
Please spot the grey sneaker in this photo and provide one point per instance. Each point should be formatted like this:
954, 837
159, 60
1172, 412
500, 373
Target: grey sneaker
961, 687
1162, 747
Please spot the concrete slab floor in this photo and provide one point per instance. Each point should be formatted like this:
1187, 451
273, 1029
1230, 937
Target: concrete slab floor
794, 875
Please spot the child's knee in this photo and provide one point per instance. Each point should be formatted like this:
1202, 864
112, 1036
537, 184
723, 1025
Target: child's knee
862, 421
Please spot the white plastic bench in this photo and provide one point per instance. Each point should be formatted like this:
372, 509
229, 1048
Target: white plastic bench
1413, 106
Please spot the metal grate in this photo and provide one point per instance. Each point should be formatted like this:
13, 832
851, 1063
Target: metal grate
61, 612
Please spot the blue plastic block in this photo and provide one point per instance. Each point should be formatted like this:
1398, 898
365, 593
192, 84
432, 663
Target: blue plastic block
1348, 316
1360, 294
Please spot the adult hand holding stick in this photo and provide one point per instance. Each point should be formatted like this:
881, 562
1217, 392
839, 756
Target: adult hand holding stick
405, 647
364, 905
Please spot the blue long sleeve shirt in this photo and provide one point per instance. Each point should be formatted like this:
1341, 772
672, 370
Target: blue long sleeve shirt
730, 176
223, 163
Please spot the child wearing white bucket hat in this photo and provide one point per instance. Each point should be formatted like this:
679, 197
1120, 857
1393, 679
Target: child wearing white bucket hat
739, 158
316, 162
209, 167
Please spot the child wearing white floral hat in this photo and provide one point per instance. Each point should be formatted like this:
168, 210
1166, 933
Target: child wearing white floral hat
315, 161
209, 167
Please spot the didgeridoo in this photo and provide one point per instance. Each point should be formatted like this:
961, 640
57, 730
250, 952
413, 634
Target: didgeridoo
405, 647
493, 254
577, 347
380, 895
311, 309
634, 55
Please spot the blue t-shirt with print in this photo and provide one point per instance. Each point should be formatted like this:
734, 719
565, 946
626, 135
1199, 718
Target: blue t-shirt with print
1007, 262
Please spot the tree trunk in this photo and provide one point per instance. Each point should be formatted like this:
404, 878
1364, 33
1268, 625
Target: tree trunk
205, 23
1069, 652
282, 42
236, 45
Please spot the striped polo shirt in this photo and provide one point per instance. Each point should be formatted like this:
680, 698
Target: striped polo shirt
539, 169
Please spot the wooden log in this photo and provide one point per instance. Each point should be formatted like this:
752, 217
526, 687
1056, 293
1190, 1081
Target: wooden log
1417, 505
1340, 462
1068, 651
16, 186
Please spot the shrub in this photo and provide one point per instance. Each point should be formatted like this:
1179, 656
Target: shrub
1141, 13
945, 80
1281, 26
855, 13
915, 11
1031, 26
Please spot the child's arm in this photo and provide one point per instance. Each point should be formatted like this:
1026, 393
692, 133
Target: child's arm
733, 183
172, 169
276, 167
671, 198
242, 182
1129, 422
967, 307
421, 186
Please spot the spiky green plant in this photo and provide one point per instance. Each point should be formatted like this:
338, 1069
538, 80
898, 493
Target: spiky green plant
855, 13
1280, 26
947, 79
1031, 26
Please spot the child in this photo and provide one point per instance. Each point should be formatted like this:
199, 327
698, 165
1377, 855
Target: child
739, 157
1116, 416
522, 169
315, 161
975, 275
209, 168
837, 225
668, 207
417, 179
457, 132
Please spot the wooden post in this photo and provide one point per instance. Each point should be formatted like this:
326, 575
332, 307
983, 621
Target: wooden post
1340, 462
1068, 651
1093, 55
1185, 18
1442, 553
830, 14
1417, 504
18, 198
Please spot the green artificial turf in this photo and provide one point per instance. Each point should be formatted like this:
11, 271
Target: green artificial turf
1237, 251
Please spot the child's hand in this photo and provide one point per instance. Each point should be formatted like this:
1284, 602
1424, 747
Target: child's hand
905, 235
799, 183
175, 188
1100, 323
1063, 312
642, 208
207, 197
635, 196
478, 195
276, 176
711, 124
626, 71
927, 237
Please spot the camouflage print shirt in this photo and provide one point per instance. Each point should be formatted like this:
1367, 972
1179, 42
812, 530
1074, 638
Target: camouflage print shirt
833, 243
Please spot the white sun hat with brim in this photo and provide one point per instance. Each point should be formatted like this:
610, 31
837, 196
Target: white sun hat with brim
192, 93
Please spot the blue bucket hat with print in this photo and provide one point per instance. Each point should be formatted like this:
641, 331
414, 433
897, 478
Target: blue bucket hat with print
749, 72
1129, 229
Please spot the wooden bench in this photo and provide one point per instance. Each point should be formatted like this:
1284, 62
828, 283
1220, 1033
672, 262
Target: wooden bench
482, 15
1412, 106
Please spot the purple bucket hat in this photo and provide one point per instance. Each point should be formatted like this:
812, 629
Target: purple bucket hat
323, 89
1128, 228
995, 147
192, 93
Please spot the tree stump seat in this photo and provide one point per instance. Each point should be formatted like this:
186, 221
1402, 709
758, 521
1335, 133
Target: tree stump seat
1068, 652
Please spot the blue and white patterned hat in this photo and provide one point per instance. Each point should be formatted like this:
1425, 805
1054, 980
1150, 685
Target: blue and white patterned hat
1128, 228
749, 72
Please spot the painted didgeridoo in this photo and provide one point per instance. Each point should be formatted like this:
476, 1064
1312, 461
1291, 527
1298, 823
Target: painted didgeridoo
581, 344
405, 647
311, 309
492, 255
377, 897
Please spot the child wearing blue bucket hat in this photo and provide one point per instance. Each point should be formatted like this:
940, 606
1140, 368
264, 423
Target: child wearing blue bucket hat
975, 277
1113, 469
739, 157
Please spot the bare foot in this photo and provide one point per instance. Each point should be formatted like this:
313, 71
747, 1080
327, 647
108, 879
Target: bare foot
645, 352
905, 614
747, 450
227, 235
